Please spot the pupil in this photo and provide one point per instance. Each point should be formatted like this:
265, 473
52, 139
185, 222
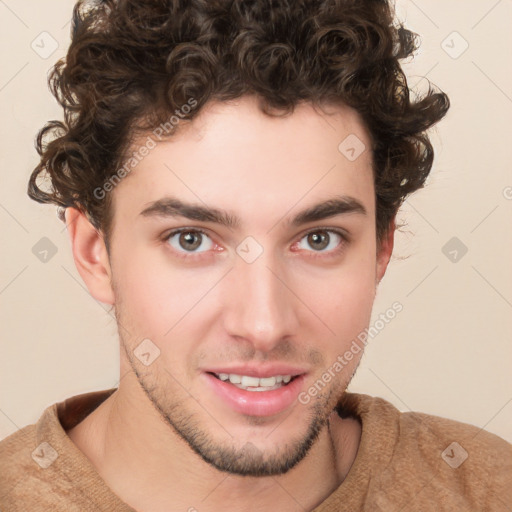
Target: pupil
188, 239
316, 237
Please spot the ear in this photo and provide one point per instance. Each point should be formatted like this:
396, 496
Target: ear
384, 251
90, 255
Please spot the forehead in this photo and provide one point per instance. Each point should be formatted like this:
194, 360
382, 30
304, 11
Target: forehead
234, 156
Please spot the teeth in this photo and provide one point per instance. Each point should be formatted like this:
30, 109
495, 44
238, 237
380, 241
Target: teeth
249, 381
268, 381
246, 381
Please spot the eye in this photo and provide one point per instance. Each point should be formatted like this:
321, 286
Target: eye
188, 240
322, 240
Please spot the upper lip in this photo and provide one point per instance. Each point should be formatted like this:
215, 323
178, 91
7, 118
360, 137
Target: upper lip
258, 370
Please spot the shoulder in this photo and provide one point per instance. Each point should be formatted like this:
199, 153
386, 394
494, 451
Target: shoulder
455, 443
17, 463
425, 434
425, 459
462, 464
41, 470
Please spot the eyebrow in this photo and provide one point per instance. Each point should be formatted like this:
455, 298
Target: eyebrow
173, 207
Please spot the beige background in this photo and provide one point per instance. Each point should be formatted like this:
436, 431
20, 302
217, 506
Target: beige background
449, 351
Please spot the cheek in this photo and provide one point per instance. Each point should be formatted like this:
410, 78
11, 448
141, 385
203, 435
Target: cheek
152, 293
165, 302
344, 303
342, 297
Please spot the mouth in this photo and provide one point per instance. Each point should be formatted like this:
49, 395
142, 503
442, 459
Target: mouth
251, 383
255, 391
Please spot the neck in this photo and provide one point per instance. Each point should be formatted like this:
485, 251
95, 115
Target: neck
149, 466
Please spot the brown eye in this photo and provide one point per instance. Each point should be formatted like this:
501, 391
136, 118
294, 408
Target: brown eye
189, 240
323, 240
319, 240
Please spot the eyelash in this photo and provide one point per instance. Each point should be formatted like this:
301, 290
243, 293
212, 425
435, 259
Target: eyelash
333, 252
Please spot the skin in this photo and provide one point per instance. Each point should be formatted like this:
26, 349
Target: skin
294, 304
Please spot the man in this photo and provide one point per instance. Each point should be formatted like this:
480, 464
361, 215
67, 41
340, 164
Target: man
230, 174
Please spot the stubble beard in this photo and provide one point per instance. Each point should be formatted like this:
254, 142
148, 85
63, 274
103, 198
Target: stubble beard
247, 460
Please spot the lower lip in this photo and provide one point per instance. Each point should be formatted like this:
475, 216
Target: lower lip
256, 403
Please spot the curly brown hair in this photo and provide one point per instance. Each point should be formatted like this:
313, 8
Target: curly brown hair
132, 63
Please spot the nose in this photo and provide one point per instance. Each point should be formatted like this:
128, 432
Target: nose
260, 306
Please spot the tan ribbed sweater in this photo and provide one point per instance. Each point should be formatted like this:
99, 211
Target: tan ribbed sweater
405, 462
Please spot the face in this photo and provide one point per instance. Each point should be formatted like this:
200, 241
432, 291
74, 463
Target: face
244, 254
